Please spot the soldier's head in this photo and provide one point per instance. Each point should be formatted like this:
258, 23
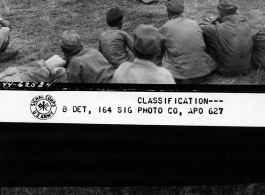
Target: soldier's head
174, 7
114, 17
146, 42
70, 44
226, 7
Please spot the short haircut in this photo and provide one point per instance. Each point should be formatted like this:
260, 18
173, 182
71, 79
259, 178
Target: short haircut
115, 22
144, 56
175, 13
226, 12
71, 52
66, 51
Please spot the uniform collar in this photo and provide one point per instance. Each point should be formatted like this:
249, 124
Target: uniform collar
177, 16
229, 17
144, 62
114, 28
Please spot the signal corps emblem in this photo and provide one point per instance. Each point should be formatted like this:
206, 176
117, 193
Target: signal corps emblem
43, 108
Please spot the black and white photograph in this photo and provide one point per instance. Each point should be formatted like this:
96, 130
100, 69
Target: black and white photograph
132, 97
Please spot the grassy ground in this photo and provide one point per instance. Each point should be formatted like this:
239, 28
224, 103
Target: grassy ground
38, 24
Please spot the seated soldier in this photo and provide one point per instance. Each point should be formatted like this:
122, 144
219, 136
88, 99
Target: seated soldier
229, 40
183, 48
84, 65
48, 71
4, 42
143, 70
113, 43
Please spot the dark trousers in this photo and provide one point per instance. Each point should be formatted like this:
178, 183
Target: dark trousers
197, 80
4, 46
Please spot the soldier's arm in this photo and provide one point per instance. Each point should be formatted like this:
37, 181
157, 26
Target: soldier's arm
73, 73
213, 20
162, 50
129, 42
211, 35
209, 30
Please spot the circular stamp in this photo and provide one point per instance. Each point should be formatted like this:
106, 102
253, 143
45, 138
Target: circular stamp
43, 108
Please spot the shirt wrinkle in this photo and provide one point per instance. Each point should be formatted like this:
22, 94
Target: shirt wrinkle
185, 55
142, 72
89, 66
233, 41
113, 45
231, 18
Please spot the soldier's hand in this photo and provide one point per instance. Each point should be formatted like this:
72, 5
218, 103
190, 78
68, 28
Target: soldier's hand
214, 19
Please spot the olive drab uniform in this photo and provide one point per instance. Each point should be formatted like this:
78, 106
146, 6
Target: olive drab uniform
232, 42
113, 45
142, 72
184, 49
89, 66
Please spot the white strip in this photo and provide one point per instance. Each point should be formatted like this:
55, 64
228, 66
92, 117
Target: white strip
237, 109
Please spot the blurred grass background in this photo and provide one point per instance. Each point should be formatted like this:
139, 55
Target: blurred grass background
38, 24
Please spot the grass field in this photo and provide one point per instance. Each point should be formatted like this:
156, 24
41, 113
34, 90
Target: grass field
38, 25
